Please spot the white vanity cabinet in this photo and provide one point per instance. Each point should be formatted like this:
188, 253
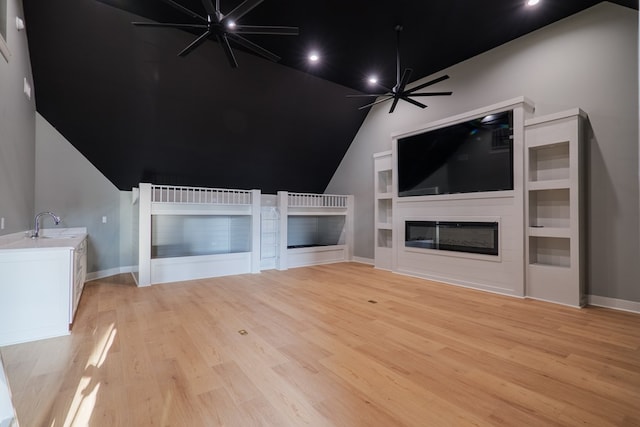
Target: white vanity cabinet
41, 281
79, 276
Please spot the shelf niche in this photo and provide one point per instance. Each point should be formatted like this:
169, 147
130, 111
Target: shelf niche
549, 162
552, 251
384, 238
549, 208
384, 211
384, 182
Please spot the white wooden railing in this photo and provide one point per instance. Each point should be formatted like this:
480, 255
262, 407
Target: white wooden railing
307, 200
199, 195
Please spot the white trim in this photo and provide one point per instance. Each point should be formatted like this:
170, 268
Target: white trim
95, 275
461, 283
361, 260
511, 104
614, 303
555, 116
550, 301
382, 154
193, 267
316, 255
500, 194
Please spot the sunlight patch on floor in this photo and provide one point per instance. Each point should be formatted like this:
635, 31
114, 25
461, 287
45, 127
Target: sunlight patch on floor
86, 393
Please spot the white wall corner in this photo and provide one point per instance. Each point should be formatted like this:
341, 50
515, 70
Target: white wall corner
95, 275
361, 260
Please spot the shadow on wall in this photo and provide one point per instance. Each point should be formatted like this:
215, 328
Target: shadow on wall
599, 185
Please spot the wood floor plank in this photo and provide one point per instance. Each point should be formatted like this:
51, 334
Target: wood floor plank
334, 345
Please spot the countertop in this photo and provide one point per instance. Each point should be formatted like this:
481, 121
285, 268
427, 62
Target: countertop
51, 238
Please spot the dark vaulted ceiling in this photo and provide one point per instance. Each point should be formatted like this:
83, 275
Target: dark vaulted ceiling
139, 113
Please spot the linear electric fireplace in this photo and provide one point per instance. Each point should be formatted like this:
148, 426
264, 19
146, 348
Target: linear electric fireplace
459, 236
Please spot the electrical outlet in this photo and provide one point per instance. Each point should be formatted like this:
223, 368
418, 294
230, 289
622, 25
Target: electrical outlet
2, 223
104, 219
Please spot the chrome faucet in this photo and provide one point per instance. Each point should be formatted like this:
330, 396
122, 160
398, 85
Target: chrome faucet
36, 229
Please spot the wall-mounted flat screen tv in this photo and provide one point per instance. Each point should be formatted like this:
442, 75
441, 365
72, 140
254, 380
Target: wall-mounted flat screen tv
468, 157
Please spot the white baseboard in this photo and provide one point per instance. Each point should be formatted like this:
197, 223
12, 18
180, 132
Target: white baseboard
614, 303
361, 260
109, 272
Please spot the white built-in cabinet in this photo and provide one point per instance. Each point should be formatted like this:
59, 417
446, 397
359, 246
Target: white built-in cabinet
41, 281
79, 275
383, 216
269, 237
189, 233
554, 208
314, 229
550, 215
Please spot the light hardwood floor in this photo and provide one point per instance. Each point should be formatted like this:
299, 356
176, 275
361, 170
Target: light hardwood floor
318, 353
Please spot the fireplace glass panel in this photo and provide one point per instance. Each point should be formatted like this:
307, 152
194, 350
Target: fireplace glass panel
459, 236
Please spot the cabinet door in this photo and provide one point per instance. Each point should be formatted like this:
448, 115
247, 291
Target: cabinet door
79, 276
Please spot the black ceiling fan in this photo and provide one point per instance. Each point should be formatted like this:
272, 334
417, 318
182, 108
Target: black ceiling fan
398, 92
224, 28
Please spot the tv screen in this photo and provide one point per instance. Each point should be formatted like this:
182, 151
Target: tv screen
473, 156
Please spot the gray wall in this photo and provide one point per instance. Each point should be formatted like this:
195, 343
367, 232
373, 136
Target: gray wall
67, 184
17, 130
589, 60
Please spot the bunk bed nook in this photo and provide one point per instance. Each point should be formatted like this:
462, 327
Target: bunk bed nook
314, 229
187, 233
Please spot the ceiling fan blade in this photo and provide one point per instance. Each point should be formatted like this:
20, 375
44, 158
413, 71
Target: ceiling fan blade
253, 47
413, 101
209, 7
227, 50
259, 29
429, 94
184, 10
374, 103
242, 9
194, 44
429, 83
393, 105
168, 25
406, 75
374, 95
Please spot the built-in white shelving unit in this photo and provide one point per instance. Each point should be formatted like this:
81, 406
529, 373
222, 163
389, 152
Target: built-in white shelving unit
187, 233
314, 229
383, 216
554, 208
269, 237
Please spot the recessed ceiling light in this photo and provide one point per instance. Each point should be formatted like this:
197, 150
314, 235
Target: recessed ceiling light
231, 25
532, 2
314, 57
372, 80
